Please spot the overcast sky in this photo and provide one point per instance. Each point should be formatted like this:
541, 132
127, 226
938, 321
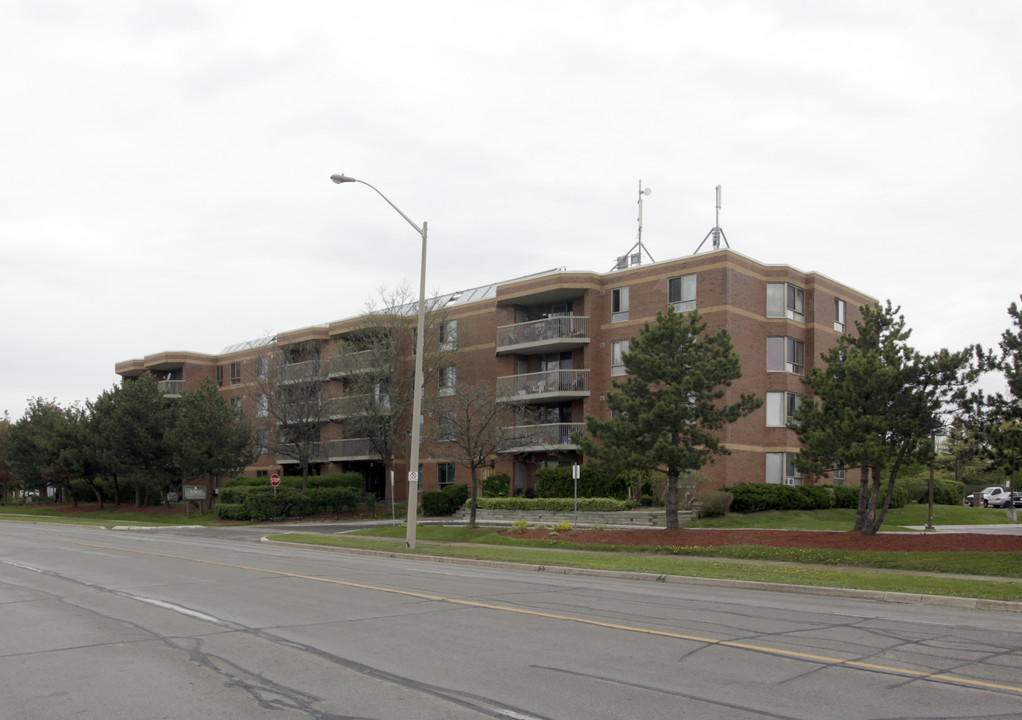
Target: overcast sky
165, 165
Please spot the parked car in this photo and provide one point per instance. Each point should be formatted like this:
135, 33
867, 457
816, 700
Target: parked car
999, 499
985, 494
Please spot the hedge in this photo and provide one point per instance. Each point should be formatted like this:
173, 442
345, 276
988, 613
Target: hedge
352, 480
757, 497
594, 482
438, 503
561, 504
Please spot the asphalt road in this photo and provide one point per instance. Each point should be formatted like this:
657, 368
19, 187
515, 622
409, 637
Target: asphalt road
117, 625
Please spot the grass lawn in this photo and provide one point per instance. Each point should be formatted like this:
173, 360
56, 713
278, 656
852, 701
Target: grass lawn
897, 519
88, 514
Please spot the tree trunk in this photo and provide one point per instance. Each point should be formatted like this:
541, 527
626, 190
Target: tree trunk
671, 506
472, 501
869, 527
860, 512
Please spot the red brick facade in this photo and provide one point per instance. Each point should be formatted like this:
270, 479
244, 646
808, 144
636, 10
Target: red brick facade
551, 337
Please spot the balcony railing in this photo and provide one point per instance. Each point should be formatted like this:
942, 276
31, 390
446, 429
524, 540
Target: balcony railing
354, 363
309, 371
350, 405
549, 384
549, 437
287, 457
351, 449
171, 387
546, 335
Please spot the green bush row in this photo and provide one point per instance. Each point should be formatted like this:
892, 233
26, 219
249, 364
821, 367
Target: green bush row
757, 497
594, 482
439, 503
562, 504
351, 480
260, 503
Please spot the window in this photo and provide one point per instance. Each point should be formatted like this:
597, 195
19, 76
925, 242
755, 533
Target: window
445, 426
445, 474
262, 473
262, 406
838, 474
681, 292
781, 407
840, 310
448, 380
448, 334
236, 404
219, 375
786, 300
235, 373
262, 441
619, 304
617, 361
780, 469
263, 367
785, 354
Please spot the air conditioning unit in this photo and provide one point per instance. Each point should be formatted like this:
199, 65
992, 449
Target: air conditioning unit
789, 481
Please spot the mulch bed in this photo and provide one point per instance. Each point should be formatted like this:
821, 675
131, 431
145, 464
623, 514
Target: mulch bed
699, 537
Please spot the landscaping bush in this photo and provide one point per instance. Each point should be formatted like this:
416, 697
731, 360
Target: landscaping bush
231, 511
555, 504
757, 497
593, 482
323, 499
439, 503
716, 504
497, 485
263, 504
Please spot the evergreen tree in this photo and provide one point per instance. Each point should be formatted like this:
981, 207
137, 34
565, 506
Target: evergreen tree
667, 413
877, 401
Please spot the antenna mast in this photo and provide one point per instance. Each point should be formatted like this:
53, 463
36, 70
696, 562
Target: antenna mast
634, 256
716, 232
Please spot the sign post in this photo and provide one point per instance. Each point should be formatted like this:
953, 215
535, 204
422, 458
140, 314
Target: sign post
191, 493
274, 481
576, 471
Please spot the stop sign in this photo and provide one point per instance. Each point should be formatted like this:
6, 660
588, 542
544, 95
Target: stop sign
274, 479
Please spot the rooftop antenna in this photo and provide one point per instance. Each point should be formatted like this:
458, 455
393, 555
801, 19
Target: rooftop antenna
634, 256
716, 232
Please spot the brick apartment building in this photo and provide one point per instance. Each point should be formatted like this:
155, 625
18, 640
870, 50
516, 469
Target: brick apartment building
554, 340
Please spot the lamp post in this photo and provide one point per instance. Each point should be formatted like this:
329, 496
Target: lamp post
413, 454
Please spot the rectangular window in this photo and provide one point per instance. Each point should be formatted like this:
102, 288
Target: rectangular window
786, 300
840, 310
448, 380
262, 441
839, 475
781, 407
780, 469
445, 474
681, 292
219, 375
262, 473
785, 354
235, 373
236, 404
262, 406
617, 360
448, 334
619, 305
263, 367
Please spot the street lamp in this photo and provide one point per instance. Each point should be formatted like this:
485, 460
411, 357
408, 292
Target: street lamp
413, 455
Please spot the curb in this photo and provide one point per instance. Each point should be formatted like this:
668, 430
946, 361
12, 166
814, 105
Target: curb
876, 595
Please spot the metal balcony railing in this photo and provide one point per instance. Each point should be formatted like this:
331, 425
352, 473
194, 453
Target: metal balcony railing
545, 384
350, 405
562, 330
286, 457
351, 449
171, 387
549, 437
354, 363
309, 371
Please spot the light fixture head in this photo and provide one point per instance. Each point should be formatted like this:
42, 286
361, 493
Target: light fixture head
341, 178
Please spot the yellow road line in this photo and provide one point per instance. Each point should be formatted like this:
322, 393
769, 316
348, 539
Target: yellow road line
584, 621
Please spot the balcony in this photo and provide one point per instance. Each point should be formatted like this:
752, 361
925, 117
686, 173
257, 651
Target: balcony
301, 372
171, 388
352, 405
549, 385
552, 334
348, 364
551, 437
283, 458
351, 449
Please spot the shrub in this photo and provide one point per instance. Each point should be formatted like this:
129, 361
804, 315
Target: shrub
264, 504
520, 525
497, 485
438, 503
321, 499
231, 511
716, 504
555, 504
757, 497
593, 482
563, 525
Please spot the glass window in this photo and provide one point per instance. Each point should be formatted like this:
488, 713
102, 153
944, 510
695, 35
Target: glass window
263, 367
617, 361
681, 292
445, 426
445, 473
235, 373
448, 334
780, 469
619, 304
839, 475
786, 300
781, 407
448, 380
262, 406
785, 354
840, 310
219, 375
